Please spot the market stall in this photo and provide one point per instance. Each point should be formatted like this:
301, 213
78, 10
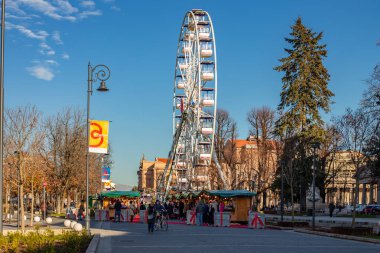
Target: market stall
229, 205
109, 199
235, 202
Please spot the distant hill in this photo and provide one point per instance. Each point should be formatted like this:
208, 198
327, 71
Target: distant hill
123, 187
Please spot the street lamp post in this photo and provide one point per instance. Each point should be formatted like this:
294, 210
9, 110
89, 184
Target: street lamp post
18, 153
99, 72
44, 197
314, 146
2, 111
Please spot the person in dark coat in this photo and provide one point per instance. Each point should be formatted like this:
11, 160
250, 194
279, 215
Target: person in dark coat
331, 209
206, 213
181, 207
151, 217
211, 215
117, 210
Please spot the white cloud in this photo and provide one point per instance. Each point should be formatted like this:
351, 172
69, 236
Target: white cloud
65, 56
40, 35
113, 5
41, 72
45, 49
51, 62
88, 4
11, 16
56, 36
66, 7
86, 14
115, 8
56, 9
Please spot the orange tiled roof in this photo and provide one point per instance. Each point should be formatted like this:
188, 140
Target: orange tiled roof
242, 143
163, 160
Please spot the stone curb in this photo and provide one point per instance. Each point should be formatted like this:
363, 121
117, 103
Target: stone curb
93, 244
278, 227
347, 237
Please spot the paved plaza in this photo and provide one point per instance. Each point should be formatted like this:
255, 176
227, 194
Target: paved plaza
122, 237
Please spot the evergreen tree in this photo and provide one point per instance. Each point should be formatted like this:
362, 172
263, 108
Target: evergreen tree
305, 80
304, 93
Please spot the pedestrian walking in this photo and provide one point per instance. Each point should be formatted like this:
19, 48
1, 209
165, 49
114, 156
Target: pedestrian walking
331, 209
132, 210
205, 210
117, 210
199, 213
181, 208
151, 217
211, 216
81, 211
142, 206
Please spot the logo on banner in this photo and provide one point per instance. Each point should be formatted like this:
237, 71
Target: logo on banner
98, 139
107, 184
106, 174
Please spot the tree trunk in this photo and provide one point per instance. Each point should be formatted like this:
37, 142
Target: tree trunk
292, 200
58, 203
355, 200
22, 208
7, 194
32, 204
264, 199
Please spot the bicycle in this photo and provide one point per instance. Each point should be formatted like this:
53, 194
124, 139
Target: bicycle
161, 221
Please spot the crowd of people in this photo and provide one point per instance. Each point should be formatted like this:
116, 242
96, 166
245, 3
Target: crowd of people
204, 209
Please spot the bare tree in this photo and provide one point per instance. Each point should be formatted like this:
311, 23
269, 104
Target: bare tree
371, 105
355, 127
330, 146
64, 153
21, 132
225, 146
230, 157
263, 156
223, 131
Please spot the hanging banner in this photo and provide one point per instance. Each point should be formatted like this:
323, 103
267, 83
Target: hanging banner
98, 137
106, 174
107, 185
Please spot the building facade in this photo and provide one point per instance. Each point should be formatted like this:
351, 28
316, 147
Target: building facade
340, 188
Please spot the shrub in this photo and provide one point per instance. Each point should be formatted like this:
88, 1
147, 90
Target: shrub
46, 241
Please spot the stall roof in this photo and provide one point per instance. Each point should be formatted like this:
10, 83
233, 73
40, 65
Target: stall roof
230, 193
117, 194
218, 193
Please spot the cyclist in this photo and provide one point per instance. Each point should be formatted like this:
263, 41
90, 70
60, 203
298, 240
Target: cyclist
160, 213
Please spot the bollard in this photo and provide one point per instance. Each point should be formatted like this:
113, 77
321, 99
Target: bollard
67, 223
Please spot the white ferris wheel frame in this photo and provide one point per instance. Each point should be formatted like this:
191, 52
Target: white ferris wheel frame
193, 89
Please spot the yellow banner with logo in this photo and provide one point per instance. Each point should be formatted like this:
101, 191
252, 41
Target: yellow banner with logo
98, 136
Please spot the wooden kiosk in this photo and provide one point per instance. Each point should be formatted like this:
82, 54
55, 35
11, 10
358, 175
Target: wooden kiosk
237, 202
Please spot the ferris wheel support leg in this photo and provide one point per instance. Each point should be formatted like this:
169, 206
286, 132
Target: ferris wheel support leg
219, 169
168, 186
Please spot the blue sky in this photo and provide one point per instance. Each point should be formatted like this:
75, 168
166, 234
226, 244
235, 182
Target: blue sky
49, 43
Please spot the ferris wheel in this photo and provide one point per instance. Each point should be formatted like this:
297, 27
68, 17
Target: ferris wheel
194, 108
195, 94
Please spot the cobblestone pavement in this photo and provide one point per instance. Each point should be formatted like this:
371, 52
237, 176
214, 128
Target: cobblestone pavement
122, 237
